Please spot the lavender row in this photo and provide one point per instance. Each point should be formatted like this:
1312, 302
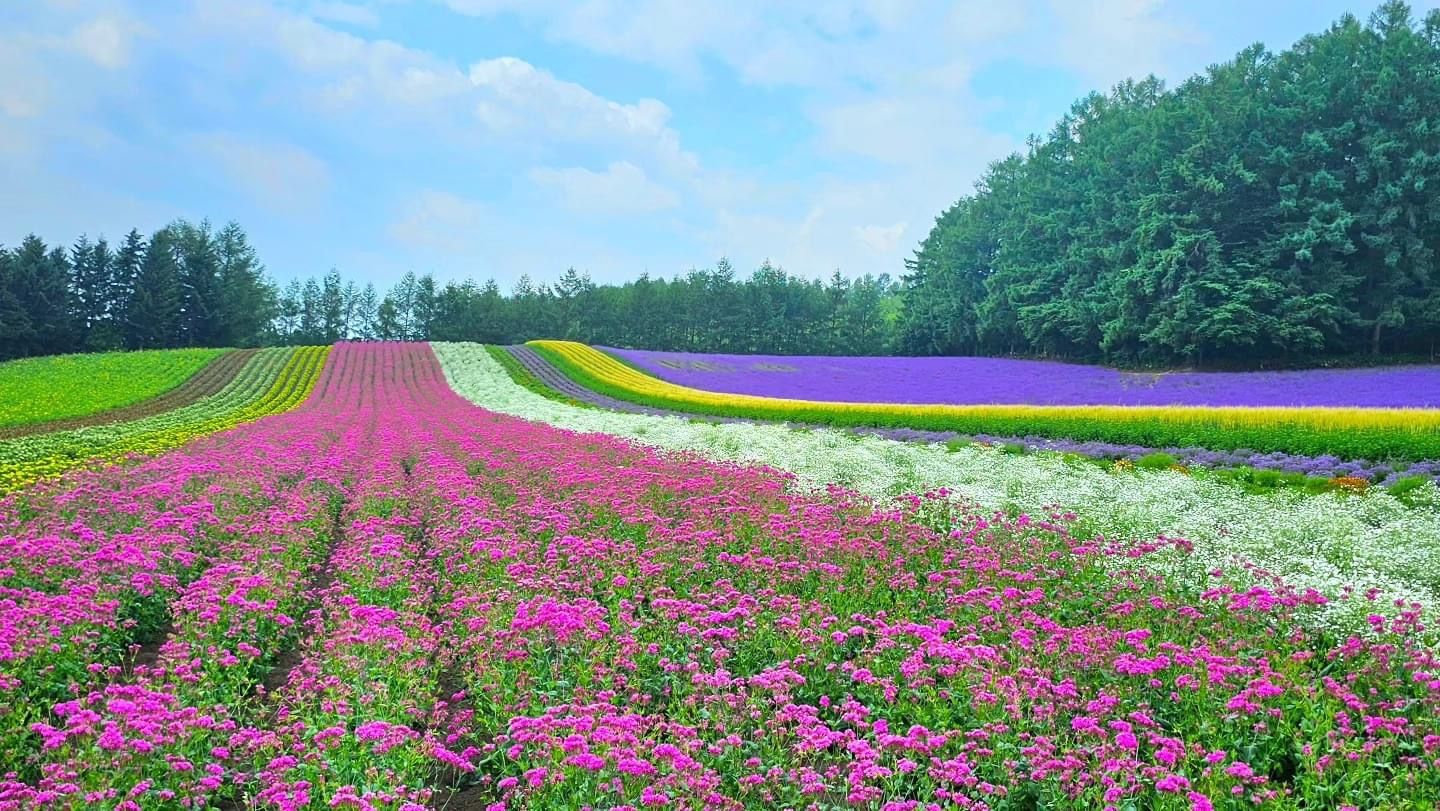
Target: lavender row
1328, 466
556, 380
1006, 381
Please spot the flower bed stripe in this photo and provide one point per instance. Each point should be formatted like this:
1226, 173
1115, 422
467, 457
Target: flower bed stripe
272, 381
1330, 542
1401, 434
211, 379
543, 377
39, 390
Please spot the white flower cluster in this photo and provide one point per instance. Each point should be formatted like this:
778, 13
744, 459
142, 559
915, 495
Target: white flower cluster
1326, 542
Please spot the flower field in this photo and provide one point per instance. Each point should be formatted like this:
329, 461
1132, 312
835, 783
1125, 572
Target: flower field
1001, 381
1262, 470
44, 389
390, 596
270, 381
1331, 542
1402, 434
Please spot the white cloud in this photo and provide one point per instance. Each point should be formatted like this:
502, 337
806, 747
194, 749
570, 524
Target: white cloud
511, 95
766, 43
25, 89
280, 176
1110, 40
501, 102
106, 40
980, 21
621, 190
441, 222
904, 129
346, 14
881, 239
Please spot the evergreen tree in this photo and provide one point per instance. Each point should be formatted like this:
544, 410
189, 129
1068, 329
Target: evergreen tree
288, 312
123, 287
332, 308
367, 314
154, 315
201, 309
248, 301
312, 314
17, 333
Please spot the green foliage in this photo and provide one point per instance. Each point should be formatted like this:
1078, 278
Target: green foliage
708, 310
1278, 208
1408, 484
1156, 461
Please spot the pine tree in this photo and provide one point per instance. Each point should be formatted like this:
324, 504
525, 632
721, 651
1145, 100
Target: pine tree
367, 314
312, 316
16, 331
247, 299
122, 283
199, 269
332, 307
154, 315
41, 287
91, 271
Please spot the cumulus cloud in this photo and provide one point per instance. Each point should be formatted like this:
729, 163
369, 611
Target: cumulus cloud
501, 101
881, 239
623, 189
24, 89
106, 40
346, 14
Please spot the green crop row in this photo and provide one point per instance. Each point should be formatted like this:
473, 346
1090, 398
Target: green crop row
42, 389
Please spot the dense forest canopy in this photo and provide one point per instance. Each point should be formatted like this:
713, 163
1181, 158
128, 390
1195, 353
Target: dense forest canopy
1281, 206
1279, 209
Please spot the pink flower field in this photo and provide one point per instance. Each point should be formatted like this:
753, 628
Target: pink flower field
390, 598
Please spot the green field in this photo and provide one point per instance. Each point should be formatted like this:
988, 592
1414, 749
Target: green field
52, 388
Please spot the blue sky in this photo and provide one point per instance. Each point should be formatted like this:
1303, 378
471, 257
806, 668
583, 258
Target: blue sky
491, 138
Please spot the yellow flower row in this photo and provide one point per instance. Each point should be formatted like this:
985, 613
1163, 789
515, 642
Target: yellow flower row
1396, 432
275, 380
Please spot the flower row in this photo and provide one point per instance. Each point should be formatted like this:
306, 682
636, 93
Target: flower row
274, 380
1364, 433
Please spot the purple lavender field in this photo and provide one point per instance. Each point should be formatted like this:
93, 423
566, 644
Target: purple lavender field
964, 381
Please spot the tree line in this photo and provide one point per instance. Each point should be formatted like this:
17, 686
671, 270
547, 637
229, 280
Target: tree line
185, 285
1278, 208
704, 310
191, 285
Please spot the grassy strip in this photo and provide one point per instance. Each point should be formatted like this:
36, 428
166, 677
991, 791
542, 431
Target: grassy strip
1396, 434
525, 380
52, 388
